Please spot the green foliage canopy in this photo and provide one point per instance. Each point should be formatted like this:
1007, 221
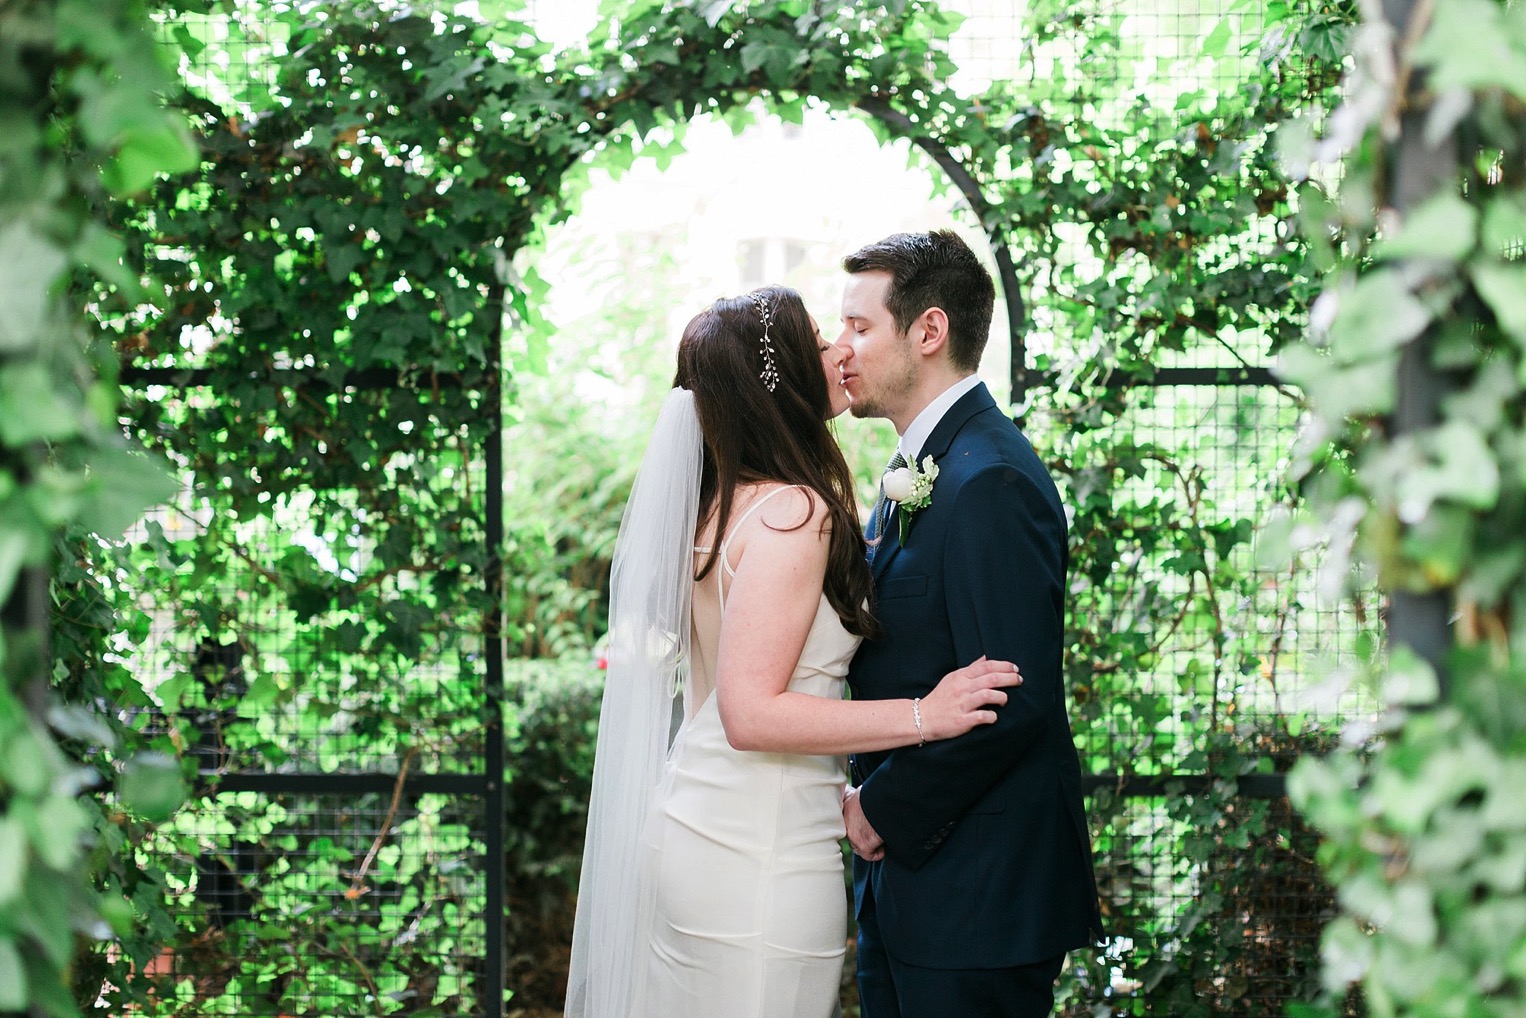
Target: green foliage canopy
339, 266
81, 124
1417, 471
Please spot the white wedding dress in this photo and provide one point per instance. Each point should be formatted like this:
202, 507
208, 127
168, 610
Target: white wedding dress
751, 913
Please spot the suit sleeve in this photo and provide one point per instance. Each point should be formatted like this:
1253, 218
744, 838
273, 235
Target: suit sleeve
1003, 580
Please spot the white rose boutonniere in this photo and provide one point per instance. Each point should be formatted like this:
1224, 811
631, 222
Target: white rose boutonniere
912, 489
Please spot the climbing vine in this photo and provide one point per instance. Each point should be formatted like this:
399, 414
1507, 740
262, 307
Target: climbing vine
84, 125
1414, 466
327, 296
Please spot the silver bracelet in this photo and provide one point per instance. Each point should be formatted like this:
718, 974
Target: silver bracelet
916, 719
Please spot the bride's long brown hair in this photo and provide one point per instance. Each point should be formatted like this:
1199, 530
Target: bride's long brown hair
753, 434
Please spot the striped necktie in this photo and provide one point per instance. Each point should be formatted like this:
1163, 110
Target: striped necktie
882, 504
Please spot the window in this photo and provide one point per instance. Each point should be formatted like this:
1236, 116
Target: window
764, 260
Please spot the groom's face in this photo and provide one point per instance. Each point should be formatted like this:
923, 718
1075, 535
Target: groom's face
879, 366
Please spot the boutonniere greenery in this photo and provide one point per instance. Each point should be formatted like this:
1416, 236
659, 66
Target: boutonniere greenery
912, 489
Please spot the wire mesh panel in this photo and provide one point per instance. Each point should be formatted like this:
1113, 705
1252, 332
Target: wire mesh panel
1214, 898
283, 639
325, 695
1241, 889
327, 670
1274, 899
1202, 663
321, 628
322, 905
230, 55
1252, 652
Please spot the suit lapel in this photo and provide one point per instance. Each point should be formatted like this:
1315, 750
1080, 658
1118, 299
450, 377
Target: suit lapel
971, 403
937, 445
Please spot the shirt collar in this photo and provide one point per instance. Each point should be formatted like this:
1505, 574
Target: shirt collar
922, 426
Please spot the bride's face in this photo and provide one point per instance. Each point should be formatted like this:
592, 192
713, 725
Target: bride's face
831, 364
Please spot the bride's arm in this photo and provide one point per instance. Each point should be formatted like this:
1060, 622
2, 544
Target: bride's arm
771, 604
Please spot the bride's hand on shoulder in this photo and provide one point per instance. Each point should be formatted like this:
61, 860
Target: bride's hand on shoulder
965, 698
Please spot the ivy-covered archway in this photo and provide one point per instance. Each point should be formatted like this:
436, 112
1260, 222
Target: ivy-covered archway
330, 365
322, 359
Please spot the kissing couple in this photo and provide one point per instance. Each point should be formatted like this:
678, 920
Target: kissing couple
744, 596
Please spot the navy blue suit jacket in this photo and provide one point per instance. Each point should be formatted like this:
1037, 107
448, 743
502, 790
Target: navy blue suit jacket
988, 860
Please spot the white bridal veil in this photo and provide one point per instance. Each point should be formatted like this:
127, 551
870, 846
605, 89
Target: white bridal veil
650, 589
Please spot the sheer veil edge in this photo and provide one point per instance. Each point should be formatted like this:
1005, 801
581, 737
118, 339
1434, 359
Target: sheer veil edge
651, 585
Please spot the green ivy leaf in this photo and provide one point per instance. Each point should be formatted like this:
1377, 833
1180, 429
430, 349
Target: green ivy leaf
778, 59
13, 980
1216, 44
122, 484
1442, 228
56, 826
18, 545
31, 408
29, 266
1194, 679
1340, 391
1377, 315
152, 786
171, 691
1475, 44
1413, 919
1504, 223
13, 860
1440, 545
342, 258
188, 41
715, 10
24, 765
43, 920
1468, 471
102, 252
146, 152
1503, 287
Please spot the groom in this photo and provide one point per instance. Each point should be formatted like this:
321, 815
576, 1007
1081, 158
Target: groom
972, 874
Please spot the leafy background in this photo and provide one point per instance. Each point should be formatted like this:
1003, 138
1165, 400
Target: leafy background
1413, 466
312, 319
82, 128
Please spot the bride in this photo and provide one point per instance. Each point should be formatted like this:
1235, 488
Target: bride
712, 879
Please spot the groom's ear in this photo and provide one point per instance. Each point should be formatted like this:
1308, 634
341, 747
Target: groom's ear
934, 323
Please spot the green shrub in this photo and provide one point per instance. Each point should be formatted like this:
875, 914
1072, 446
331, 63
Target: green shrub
552, 725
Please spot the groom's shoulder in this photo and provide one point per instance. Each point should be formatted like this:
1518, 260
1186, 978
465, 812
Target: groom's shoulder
992, 436
991, 446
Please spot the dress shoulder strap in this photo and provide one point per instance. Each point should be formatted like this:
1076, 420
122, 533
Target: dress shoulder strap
725, 569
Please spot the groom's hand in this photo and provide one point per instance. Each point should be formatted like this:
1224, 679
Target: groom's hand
867, 844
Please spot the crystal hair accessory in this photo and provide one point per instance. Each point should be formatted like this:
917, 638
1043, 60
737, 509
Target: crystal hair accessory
770, 373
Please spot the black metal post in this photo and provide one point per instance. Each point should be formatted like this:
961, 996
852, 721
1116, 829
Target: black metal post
493, 650
1017, 314
24, 618
1420, 622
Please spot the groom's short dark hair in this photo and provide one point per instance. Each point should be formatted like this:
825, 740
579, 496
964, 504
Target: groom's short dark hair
934, 269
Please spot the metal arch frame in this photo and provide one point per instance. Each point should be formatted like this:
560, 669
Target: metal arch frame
1017, 311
